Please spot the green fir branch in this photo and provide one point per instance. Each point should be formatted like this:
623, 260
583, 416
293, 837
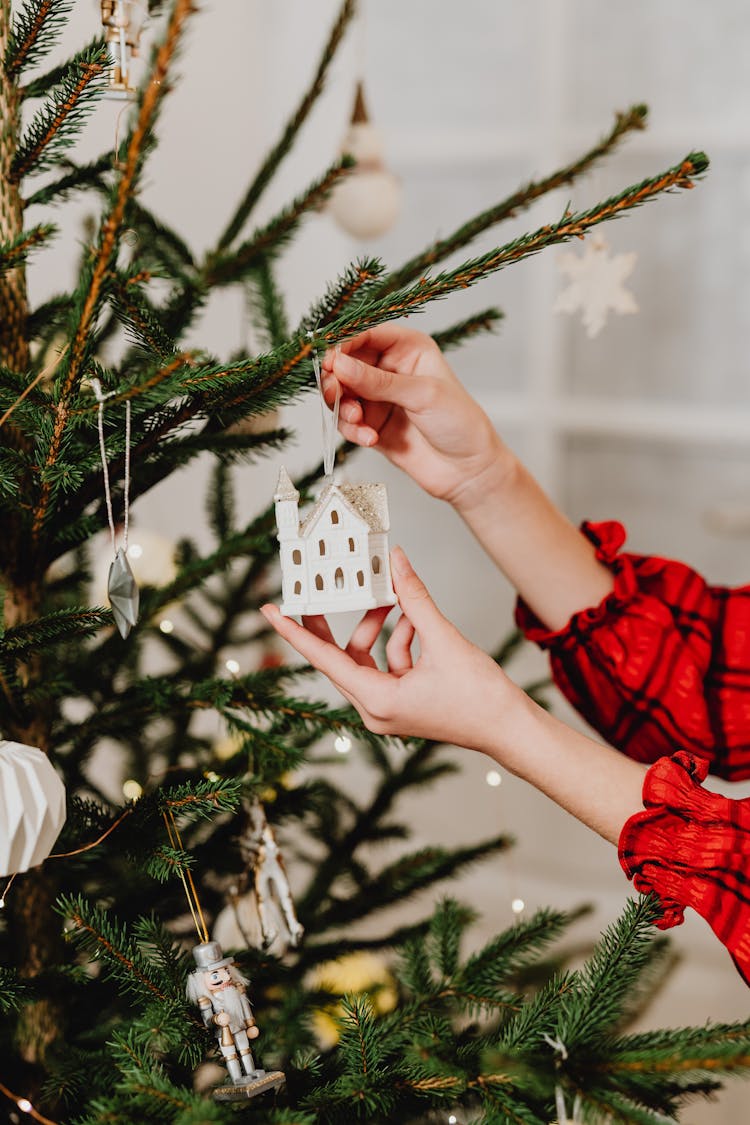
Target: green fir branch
78, 176
634, 118
52, 629
58, 122
34, 33
292, 128
457, 334
14, 253
270, 239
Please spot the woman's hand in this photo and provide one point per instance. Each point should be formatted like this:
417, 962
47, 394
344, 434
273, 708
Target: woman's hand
453, 692
398, 392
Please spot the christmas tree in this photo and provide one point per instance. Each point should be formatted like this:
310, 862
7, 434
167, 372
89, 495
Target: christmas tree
95, 942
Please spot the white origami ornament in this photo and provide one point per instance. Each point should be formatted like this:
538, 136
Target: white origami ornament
596, 284
32, 807
336, 559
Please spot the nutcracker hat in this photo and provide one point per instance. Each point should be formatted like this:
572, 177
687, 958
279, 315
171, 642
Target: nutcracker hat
209, 955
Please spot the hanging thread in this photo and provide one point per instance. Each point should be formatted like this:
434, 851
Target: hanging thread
186, 876
101, 398
561, 1053
329, 418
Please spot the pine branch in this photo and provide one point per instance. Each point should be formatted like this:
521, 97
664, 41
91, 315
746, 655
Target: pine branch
265, 300
269, 240
15, 252
93, 282
458, 334
355, 284
46, 632
64, 115
407, 301
79, 176
95, 930
292, 128
34, 33
635, 118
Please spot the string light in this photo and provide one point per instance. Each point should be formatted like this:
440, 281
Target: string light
494, 778
343, 744
452, 1119
166, 626
24, 1105
135, 550
132, 789
232, 667
518, 906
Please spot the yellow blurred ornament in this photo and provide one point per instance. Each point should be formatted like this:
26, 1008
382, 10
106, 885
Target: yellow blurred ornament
360, 973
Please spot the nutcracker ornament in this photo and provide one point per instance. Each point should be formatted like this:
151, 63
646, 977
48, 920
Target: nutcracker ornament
217, 987
122, 21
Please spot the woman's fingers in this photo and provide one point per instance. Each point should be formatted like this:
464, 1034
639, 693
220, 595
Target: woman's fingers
414, 597
349, 677
320, 627
366, 634
398, 648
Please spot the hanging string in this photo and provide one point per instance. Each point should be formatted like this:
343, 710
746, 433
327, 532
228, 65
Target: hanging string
329, 418
186, 876
561, 1053
101, 399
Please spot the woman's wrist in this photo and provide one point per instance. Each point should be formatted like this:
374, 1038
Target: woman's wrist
494, 477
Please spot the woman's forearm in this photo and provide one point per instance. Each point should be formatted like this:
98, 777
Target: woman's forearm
553, 567
596, 784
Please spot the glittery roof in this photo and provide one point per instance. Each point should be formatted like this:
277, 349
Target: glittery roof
285, 490
368, 501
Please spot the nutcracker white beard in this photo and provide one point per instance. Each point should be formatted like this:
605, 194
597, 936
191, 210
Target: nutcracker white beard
229, 1000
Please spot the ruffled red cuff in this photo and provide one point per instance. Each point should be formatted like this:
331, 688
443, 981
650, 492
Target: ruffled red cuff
608, 537
691, 847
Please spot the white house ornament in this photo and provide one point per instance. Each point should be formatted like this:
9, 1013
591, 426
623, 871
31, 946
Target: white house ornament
217, 987
32, 807
596, 284
335, 559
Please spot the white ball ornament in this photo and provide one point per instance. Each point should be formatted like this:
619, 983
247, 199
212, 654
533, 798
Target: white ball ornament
367, 202
32, 807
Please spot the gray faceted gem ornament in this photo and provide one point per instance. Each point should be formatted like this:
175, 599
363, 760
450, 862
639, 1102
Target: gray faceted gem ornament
123, 593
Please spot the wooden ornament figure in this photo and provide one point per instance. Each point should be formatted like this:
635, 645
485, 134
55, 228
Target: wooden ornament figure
272, 892
336, 559
218, 988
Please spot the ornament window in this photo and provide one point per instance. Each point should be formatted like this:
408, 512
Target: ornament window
338, 578
318, 581
322, 546
352, 545
334, 516
298, 587
360, 578
376, 564
297, 557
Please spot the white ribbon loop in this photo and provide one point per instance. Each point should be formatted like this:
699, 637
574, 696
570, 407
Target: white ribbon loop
329, 418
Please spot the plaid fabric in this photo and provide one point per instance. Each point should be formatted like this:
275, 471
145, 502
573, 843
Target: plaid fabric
662, 664
692, 848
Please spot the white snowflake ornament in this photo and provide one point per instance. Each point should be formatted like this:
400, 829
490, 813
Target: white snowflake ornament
596, 284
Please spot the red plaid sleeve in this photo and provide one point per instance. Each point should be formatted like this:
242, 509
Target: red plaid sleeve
661, 664
691, 847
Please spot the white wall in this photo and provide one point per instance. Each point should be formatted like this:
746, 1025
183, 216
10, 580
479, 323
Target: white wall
649, 422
